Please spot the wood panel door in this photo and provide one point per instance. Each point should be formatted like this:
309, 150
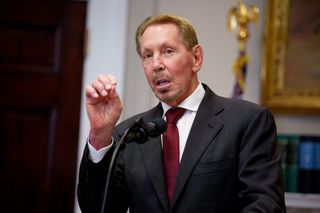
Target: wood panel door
41, 61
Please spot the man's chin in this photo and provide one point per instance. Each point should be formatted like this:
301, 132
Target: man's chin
164, 97
167, 97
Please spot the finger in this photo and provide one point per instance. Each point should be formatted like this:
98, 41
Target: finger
107, 81
113, 92
91, 92
99, 87
112, 79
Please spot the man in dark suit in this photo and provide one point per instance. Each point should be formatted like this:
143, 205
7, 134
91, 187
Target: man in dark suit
228, 157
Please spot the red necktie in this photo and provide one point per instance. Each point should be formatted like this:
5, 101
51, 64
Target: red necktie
171, 149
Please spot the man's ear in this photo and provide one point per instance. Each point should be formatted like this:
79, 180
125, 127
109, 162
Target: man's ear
197, 57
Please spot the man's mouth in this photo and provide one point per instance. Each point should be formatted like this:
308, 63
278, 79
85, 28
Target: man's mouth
162, 85
162, 82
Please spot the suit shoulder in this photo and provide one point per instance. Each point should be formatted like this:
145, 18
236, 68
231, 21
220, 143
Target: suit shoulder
240, 108
245, 105
217, 102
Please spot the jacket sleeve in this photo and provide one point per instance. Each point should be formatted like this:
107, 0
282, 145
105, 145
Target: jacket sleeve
91, 185
261, 186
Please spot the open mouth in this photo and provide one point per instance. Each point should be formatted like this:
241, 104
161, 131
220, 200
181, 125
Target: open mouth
162, 85
162, 82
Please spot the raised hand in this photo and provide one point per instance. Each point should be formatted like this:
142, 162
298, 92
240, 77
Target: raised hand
103, 108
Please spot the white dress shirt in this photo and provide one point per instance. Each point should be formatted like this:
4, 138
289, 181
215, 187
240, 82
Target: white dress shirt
191, 104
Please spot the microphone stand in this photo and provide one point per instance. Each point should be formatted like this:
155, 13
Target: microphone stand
114, 156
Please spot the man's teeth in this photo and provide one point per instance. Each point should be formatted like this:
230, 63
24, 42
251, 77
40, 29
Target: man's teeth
161, 82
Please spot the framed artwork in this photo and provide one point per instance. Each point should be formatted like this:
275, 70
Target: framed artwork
291, 58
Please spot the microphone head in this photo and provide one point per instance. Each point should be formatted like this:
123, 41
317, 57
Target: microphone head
140, 131
156, 127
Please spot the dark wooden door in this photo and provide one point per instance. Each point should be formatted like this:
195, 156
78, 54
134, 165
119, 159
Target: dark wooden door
41, 58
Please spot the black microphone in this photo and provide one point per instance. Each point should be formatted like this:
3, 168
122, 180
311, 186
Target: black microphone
143, 130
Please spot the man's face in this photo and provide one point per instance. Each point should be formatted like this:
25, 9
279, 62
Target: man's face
171, 69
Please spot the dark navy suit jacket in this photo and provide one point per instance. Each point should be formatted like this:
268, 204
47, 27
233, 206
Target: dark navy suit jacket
231, 163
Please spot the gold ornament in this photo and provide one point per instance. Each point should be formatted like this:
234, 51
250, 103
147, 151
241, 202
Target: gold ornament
239, 19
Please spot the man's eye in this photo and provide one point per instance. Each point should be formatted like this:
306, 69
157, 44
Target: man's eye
146, 56
168, 51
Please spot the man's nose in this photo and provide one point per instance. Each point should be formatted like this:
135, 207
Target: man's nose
157, 63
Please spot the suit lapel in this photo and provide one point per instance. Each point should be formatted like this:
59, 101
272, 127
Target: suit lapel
204, 129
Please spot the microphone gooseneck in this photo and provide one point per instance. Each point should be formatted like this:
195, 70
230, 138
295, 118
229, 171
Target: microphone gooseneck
139, 131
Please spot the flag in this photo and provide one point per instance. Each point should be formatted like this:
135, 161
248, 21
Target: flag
240, 71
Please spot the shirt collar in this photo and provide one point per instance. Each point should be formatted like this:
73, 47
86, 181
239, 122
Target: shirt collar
191, 103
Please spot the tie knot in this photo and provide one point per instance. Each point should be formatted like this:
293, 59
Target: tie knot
174, 114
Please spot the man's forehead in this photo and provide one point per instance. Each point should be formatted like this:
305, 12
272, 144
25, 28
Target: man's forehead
162, 26
160, 37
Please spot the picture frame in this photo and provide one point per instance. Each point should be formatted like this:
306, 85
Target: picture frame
291, 57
